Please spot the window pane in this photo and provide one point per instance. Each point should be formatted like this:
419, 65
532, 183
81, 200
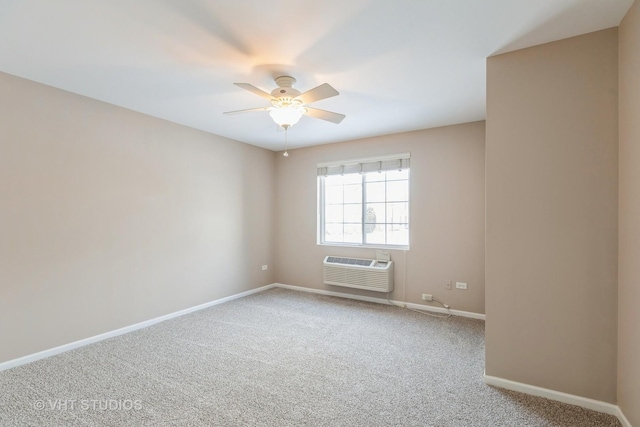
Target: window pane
375, 234
393, 175
397, 191
397, 234
333, 195
385, 213
353, 233
352, 178
353, 193
375, 213
398, 212
353, 213
334, 213
333, 232
375, 192
333, 180
374, 176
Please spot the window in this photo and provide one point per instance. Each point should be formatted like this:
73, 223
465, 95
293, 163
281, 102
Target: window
364, 203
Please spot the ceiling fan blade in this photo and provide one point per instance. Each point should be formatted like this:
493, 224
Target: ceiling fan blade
317, 93
247, 110
325, 115
253, 89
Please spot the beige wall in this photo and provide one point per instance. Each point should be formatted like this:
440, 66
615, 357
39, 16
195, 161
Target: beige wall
629, 216
109, 217
552, 184
447, 215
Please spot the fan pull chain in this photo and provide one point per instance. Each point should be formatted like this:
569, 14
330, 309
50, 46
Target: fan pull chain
286, 141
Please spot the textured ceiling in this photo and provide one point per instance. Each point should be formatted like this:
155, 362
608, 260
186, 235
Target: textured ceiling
398, 65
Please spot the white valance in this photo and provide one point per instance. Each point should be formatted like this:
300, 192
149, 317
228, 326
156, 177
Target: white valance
370, 164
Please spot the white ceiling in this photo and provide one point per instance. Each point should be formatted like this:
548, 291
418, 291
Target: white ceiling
398, 65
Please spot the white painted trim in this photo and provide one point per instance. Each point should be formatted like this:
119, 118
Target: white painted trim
382, 301
459, 313
623, 420
584, 402
81, 343
86, 341
571, 399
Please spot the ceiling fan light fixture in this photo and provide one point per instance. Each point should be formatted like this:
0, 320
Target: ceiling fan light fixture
288, 104
286, 116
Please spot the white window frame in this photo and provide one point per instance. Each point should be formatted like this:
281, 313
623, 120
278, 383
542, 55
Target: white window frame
368, 164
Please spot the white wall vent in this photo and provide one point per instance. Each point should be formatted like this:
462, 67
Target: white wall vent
358, 273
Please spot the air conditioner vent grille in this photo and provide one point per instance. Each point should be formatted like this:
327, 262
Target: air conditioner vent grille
350, 261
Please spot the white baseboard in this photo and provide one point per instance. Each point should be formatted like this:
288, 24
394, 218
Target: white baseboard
584, 402
80, 343
623, 420
382, 301
595, 405
86, 341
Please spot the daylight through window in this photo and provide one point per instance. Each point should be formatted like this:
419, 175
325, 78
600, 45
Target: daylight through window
364, 203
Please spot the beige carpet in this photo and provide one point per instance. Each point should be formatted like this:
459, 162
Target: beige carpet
280, 358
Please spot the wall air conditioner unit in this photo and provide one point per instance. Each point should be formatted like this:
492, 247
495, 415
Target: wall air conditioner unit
358, 273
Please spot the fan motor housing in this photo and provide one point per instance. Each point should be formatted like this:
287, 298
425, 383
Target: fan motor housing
285, 88
285, 92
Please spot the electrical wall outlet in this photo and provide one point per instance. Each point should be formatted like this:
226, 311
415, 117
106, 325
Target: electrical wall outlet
427, 297
447, 285
461, 285
265, 267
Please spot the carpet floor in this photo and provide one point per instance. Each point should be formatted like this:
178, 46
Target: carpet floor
280, 358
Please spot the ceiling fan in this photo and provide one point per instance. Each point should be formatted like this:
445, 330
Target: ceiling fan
288, 104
